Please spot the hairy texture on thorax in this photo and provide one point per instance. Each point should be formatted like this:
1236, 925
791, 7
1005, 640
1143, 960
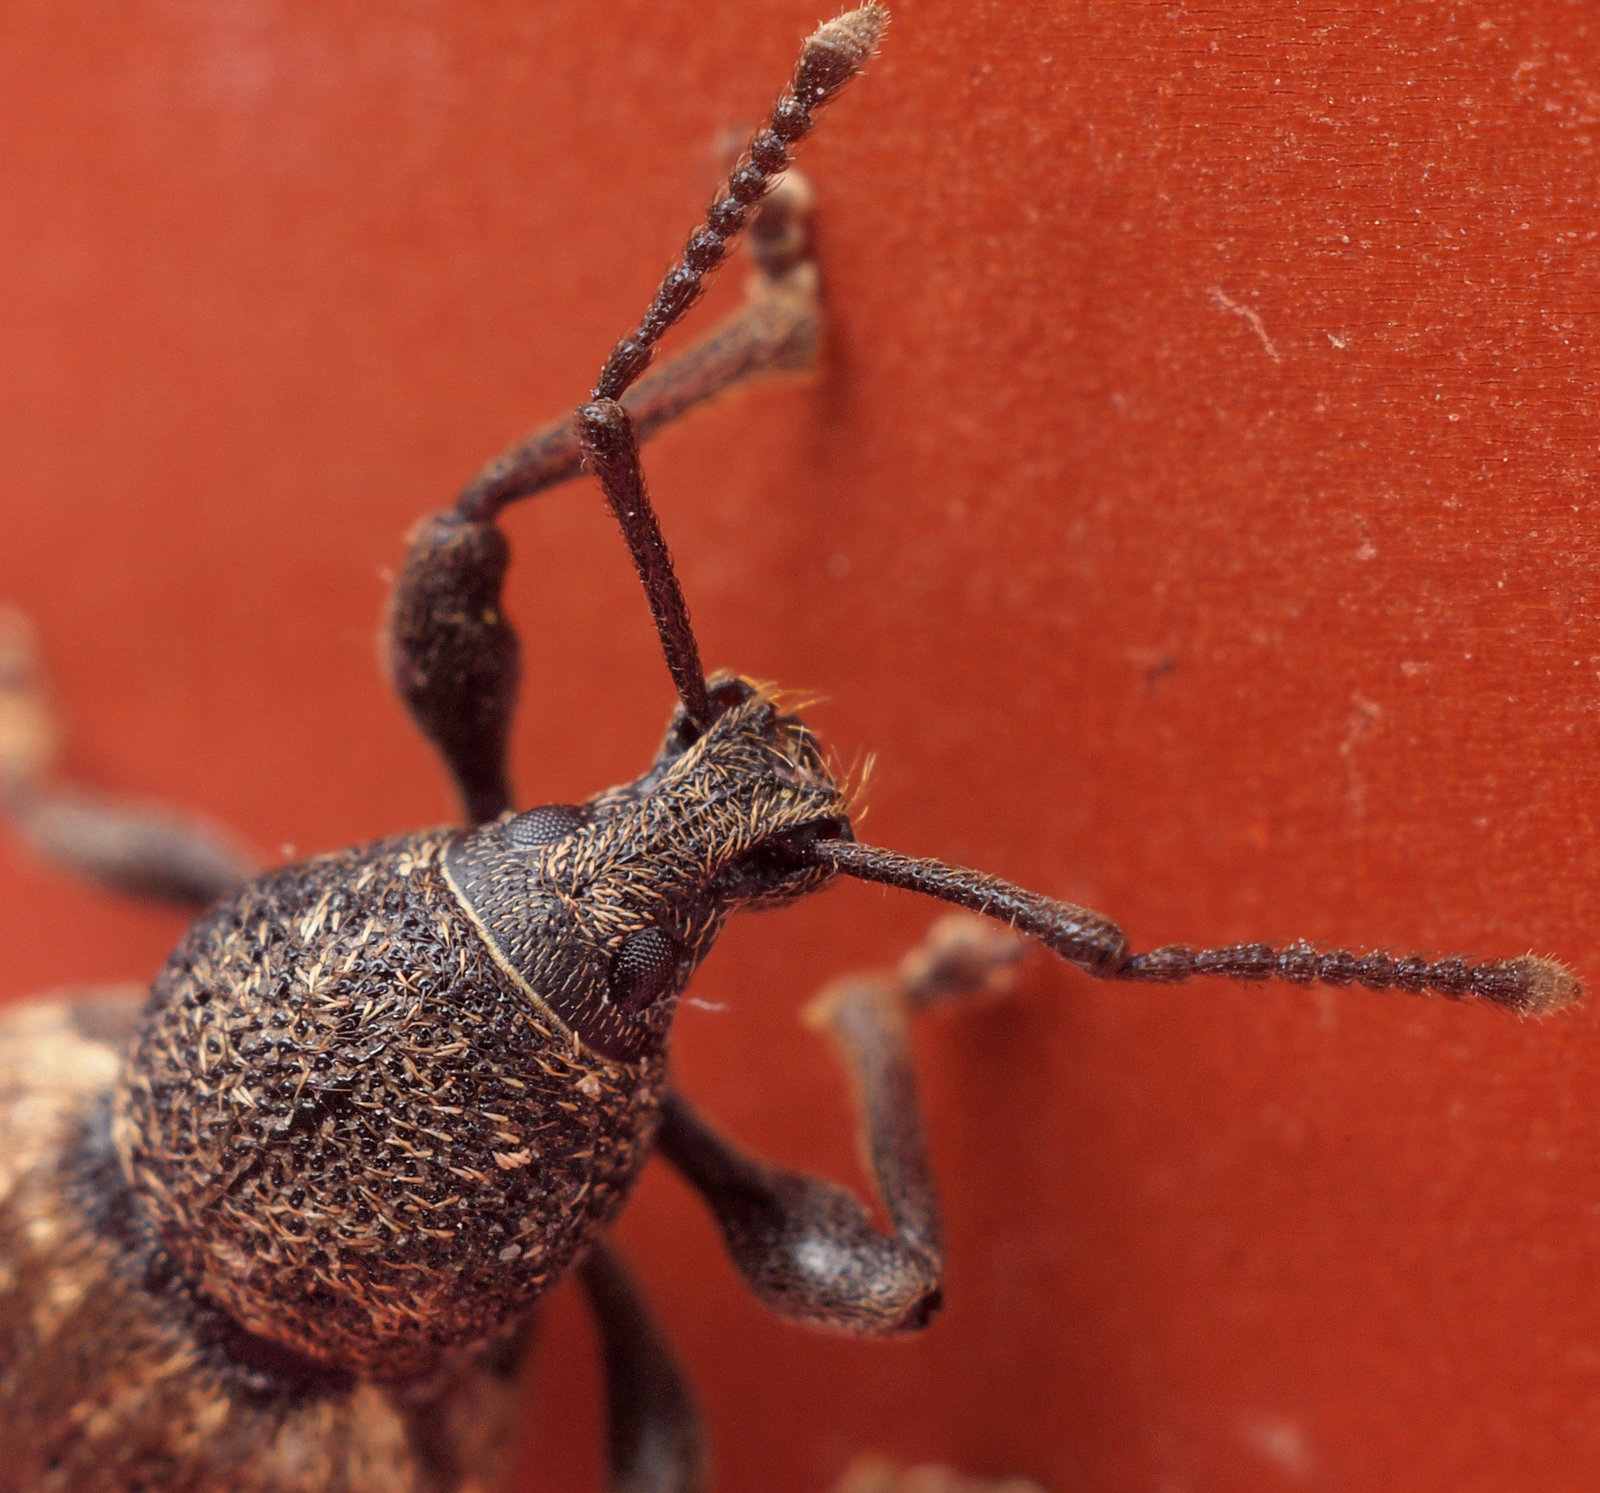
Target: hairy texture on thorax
354, 1132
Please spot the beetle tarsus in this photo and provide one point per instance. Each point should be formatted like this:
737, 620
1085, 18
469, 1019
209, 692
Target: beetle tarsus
140, 849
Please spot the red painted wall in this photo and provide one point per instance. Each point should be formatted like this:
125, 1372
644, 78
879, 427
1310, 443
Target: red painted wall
1195, 516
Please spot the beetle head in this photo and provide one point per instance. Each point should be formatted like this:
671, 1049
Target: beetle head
603, 910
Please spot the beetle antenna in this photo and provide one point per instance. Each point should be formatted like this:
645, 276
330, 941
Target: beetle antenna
611, 452
1529, 986
833, 55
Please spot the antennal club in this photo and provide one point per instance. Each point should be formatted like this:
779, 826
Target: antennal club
832, 55
1529, 986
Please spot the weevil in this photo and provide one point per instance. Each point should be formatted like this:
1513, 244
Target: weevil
282, 1222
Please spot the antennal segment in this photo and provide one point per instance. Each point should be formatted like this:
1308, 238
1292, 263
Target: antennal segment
1529, 986
1088, 939
833, 54
605, 433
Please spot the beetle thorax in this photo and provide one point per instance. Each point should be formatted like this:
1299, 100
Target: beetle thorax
351, 1130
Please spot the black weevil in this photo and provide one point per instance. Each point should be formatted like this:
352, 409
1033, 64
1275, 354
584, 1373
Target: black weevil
281, 1224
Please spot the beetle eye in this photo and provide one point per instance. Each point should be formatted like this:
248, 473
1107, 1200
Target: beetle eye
545, 825
642, 968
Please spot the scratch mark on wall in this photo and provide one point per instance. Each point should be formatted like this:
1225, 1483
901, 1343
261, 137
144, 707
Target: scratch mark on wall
1224, 300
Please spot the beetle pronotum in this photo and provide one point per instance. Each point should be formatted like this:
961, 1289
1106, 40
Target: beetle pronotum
283, 1227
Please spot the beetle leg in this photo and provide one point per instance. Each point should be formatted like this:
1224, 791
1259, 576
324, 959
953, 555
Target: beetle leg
776, 331
808, 1247
654, 1437
140, 849
453, 656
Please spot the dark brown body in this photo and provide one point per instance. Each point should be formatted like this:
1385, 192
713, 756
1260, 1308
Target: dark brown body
280, 1228
214, 1331
385, 1149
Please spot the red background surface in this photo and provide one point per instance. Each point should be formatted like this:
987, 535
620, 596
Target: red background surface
1194, 516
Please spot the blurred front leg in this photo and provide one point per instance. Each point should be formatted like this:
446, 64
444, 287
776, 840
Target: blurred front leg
140, 849
653, 1433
